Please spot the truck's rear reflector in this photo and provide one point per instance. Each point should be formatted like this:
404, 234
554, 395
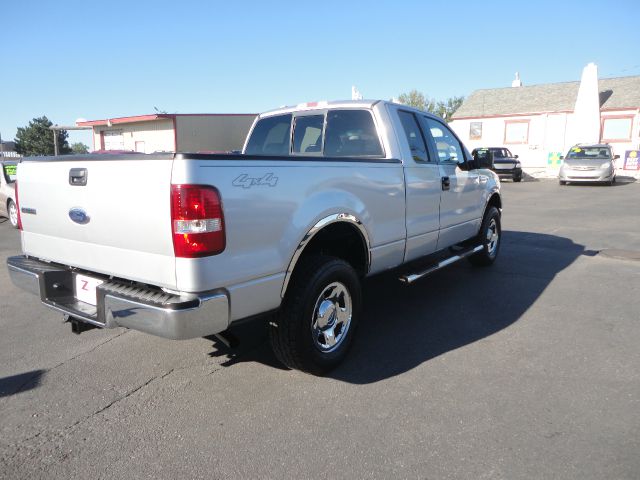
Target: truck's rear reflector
197, 221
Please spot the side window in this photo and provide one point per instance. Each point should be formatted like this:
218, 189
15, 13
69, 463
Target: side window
307, 134
9, 172
447, 145
414, 136
270, 136
351, 133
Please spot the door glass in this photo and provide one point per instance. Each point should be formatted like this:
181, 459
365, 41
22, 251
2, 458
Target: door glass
307, 134
414, 137
351, 133
447, 145
270, 136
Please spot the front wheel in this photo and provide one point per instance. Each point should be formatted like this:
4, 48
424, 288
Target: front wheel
13, 213
489, 238
518, 178
314, 328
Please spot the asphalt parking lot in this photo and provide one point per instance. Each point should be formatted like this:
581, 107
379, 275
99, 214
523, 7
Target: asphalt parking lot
529, 369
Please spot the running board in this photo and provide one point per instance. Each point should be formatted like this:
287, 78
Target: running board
412, 277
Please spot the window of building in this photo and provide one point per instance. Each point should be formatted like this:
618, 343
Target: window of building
516, 131
475, 131
617, 129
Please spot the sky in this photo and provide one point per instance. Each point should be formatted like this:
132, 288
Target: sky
96, 60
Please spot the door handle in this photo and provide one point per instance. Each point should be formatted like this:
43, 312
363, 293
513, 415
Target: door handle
78, 177
446, 183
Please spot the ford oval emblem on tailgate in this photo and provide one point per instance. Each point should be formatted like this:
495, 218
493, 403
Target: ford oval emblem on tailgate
78, 215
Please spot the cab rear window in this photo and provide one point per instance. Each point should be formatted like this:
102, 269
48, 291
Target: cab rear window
270, 136
351, 133
348, 133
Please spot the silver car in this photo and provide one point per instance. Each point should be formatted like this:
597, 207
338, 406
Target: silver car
8, 206
588, 163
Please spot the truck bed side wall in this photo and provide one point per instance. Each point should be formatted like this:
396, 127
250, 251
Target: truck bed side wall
269, 208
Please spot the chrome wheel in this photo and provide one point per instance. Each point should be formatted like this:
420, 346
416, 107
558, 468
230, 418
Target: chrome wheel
493, 237
13, 213
331, 317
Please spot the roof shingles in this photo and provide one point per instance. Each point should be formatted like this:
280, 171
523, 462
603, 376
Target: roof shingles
622, 92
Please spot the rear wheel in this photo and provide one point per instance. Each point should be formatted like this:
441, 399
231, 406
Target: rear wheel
489, 237
517, 178
13, 213
562, 182
314, 328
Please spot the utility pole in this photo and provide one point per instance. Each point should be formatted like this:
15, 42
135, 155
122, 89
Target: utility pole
55, 142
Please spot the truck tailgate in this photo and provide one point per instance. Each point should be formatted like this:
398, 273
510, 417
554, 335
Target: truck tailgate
118, 224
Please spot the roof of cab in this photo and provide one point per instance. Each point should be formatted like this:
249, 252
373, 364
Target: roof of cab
321, 105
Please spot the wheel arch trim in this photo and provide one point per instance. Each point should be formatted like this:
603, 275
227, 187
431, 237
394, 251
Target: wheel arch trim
313, 231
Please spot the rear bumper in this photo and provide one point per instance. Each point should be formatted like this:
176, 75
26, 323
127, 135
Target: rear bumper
145, 309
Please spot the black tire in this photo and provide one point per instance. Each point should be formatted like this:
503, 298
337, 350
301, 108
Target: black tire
490, 226
517, 179
296, 335
562, 182
13, 217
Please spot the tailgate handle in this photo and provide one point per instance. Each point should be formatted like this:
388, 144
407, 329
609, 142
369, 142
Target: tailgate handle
78, 177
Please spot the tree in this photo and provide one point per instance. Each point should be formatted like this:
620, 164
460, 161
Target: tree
444, 109
418, 100
79, 147
447, 108
37, 139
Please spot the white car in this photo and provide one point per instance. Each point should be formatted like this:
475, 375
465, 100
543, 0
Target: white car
588, 163
8, 204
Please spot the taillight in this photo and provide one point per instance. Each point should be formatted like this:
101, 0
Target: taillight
197, 221
18, 208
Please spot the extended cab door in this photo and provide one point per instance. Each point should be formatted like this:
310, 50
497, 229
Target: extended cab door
422, 177
461, 201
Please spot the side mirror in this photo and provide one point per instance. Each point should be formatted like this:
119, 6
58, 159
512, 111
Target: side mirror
561, 157
483, 161
467, 164
616, 156
515, 156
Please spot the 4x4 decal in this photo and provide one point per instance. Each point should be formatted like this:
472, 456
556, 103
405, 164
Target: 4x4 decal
245, 181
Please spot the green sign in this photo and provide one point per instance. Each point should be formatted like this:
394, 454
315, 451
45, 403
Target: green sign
11, 169
553, 158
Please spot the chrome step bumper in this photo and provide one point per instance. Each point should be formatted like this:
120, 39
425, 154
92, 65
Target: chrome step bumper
120, 305
412, 277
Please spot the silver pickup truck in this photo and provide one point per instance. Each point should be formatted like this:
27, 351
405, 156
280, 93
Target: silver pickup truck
323, 195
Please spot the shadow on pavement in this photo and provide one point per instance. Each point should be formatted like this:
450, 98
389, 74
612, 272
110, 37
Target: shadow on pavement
20, 383
405, 326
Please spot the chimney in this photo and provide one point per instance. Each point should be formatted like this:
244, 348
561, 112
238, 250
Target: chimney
517, 82
586, 114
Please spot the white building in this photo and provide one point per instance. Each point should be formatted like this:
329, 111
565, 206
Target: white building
171, 132
541, 122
